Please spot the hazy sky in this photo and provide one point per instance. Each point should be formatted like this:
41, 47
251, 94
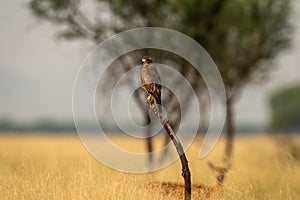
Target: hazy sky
37, 70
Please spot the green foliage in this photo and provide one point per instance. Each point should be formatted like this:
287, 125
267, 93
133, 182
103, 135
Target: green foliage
285, 107
239, 35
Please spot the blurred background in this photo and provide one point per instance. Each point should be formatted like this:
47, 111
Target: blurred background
44, 42
254, 43
37, 72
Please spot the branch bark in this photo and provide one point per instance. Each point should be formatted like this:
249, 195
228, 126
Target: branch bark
229, 129
184, 162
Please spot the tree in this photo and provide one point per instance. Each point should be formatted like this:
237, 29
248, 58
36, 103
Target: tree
241, 36
285, 110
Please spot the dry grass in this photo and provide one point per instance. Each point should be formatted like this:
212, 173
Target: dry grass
58, 167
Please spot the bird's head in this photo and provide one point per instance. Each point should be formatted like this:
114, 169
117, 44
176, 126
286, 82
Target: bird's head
146, 60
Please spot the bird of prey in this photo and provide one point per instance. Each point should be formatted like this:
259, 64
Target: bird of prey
151, 82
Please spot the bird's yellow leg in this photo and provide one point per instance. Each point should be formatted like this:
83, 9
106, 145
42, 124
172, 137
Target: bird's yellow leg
150, 99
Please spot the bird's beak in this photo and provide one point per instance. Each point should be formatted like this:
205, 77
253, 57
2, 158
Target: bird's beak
143, 60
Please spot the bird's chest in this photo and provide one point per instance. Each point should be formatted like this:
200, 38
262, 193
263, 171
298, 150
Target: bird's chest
149, 75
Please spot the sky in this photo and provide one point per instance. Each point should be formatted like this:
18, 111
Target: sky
37, 70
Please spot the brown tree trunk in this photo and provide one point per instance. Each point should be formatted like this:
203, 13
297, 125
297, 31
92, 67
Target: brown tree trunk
147, 120
149, 142
230, 132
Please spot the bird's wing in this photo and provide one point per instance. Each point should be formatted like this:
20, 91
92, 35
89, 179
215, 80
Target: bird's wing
154, 74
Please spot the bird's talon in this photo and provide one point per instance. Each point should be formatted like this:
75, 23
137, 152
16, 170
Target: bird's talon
149, 99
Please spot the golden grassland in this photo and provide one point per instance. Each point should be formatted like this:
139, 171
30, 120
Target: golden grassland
59, 167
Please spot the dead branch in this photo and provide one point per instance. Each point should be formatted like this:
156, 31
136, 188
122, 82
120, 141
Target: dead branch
184, 162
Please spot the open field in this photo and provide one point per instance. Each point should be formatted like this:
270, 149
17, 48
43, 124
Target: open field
59, 167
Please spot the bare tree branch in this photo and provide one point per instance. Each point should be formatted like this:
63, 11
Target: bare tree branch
184, 162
